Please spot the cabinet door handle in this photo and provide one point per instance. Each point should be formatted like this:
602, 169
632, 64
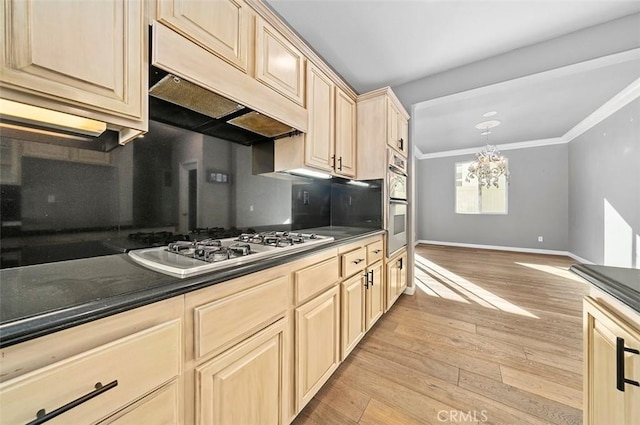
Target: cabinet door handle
340, 162
400, 264
371, 274
333, 161
620, 350
42, 416
366, 281
401, 143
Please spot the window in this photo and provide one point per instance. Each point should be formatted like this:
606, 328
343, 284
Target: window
471, 198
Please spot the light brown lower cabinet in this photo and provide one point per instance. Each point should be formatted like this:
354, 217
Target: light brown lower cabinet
161, 407
396, 281
244, 385
612, 365
353, 322
374, 294
317, 346
362, 304
118, 374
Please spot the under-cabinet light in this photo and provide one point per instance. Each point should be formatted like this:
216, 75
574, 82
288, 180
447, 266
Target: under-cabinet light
309, 173
44, 132
28, 114
357, 183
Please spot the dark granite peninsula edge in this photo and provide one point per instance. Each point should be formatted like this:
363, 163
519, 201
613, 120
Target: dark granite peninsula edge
621, 283
39, 300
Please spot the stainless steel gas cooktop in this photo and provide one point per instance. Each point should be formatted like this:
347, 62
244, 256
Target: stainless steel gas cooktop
191, 258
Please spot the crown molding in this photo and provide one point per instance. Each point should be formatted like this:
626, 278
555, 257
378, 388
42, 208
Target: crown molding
617, 102
613, 105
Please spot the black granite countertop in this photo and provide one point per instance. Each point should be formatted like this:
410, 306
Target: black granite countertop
45, 298
621, 283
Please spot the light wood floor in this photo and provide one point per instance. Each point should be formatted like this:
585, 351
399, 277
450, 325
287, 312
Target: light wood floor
489, 337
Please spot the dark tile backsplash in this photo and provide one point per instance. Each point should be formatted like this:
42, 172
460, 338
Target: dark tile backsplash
336, 203
60, 209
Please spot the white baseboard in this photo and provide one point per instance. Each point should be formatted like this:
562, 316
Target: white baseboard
410, 290
508, 248
580, 259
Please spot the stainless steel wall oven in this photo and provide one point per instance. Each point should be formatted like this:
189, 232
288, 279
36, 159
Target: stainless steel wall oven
396, 219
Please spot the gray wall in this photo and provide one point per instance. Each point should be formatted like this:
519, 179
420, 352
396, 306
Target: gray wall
537, 202
604, 195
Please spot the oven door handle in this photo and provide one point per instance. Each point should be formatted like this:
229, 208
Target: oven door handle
398, 201
397, 170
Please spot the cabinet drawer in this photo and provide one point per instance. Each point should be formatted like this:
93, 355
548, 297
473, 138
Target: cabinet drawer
139, 363
160, 407
225, 322
315, 279
374, 252
354, 261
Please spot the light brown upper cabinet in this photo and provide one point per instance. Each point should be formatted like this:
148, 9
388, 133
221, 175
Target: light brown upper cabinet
279, 64
83, 58
319, 143
397, 128
330, 143
223, 26
382, 124
345, 140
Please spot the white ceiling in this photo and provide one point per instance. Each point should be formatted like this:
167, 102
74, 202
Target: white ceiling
377, 43
530, 109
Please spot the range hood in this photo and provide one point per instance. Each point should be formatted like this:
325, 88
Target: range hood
175, 101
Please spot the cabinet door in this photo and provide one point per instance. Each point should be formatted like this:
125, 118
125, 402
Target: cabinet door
319, 147
353, 310
278, 63
402, 266
345, 135
403, 135
396, 279
317, 344
86, 54
244, 385
221, 26
374, 295
605, 403
392, 125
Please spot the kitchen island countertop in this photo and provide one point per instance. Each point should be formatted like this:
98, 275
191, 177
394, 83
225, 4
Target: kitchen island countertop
619, 282
45, 298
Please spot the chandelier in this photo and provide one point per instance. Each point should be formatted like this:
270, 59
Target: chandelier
488, 167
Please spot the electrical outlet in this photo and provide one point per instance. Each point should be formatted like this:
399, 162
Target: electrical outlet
540, 239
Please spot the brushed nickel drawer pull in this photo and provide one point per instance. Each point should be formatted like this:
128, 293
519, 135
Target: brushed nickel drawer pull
620, 350
42, 416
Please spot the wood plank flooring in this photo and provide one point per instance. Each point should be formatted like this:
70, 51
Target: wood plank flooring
490, 337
